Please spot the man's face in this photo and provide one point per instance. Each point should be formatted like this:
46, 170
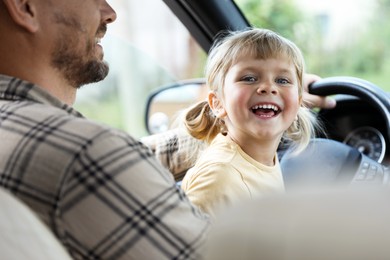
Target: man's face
77, 53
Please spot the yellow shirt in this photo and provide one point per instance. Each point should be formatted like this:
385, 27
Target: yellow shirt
225, 174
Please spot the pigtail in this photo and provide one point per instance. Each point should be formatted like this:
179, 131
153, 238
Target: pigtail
201, 122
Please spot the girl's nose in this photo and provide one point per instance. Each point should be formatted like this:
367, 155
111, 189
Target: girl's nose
266, 88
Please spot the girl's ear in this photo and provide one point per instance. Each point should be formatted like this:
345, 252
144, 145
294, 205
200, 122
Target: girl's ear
23, 13
216, 105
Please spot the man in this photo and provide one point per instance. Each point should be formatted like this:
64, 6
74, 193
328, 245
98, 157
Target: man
102, 192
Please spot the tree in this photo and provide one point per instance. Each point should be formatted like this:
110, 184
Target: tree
277, 15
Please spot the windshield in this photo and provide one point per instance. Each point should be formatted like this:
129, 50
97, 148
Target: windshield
147, 47
337, 37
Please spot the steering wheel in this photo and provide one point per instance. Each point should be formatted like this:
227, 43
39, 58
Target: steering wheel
363, 89
326, 161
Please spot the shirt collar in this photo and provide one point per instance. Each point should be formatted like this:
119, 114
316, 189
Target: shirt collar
14, 89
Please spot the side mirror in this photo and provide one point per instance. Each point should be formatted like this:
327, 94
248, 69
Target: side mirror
164, 104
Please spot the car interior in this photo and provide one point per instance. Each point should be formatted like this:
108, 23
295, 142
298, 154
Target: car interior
353, 151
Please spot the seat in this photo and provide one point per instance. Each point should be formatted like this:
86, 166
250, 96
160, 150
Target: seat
23, 235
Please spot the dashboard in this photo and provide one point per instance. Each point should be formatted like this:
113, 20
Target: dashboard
357, 123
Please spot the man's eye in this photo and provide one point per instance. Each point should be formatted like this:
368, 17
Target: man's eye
249, 79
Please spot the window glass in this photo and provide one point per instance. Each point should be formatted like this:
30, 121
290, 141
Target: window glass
146, 47
337, 37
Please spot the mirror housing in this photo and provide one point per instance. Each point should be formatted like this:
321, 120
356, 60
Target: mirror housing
164, 104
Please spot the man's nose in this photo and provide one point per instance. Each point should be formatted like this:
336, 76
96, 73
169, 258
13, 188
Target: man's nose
108, 13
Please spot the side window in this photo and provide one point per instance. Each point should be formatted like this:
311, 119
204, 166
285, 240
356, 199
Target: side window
146, 47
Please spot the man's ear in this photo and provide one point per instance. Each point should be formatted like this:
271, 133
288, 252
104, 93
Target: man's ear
216, 105
23, 13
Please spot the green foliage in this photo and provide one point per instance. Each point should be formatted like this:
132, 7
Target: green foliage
366, 55
106, 111
277, 15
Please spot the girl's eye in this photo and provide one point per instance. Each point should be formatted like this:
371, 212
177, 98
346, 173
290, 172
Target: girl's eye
249, 79
282, 81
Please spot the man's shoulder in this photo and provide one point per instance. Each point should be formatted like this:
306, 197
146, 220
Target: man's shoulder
60, 123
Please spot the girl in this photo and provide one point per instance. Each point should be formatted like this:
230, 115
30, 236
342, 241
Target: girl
254, 103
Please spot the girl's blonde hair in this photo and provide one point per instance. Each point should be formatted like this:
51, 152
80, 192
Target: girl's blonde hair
200, 120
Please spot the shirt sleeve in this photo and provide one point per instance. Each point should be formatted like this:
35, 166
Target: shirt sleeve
175, 149
117, 202
214, 187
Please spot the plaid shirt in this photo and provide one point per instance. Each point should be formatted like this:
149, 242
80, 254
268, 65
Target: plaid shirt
175, 149
102, 192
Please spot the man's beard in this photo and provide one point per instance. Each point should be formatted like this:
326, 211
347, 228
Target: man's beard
78, 68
